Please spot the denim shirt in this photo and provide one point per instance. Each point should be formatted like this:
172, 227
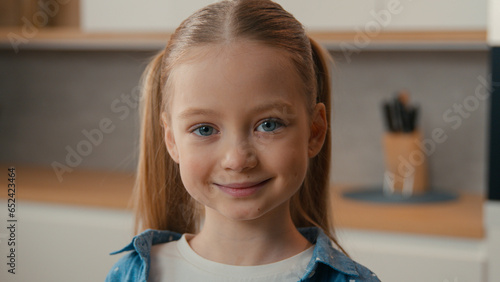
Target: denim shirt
326, 264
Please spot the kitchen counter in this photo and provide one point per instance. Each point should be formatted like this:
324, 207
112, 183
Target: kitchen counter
80, 187
461, 218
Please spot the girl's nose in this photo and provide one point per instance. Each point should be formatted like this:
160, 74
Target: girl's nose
239, 157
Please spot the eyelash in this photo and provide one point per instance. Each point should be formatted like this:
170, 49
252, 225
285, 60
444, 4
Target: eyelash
197, 128
279, 123
200, 126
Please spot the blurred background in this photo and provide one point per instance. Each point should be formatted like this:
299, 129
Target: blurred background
69, 84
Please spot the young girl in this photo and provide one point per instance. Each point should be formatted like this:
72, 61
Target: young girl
233, 174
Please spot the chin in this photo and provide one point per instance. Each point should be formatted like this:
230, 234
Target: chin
239, 214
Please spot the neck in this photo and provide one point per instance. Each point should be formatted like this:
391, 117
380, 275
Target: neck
270, 238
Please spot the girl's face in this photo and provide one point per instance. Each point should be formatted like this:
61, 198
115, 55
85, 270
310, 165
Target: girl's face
240, 130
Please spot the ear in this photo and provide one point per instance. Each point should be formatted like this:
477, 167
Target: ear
319, 127
170, 141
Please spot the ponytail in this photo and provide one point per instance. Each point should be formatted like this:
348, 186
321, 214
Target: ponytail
160, 200
311, 205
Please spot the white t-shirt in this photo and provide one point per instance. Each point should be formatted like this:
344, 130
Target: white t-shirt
176, 261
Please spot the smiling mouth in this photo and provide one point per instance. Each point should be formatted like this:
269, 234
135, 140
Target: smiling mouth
243, 189
243, 185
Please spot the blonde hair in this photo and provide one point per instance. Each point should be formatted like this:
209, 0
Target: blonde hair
161, 201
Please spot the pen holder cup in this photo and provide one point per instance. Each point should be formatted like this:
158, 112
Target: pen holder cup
405, 164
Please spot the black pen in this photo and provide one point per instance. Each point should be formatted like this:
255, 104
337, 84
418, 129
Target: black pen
388, 116
396, 115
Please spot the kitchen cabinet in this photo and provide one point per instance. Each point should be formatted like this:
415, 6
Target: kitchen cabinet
319, 15
133, 16
157, 15
390, 15
396, 257
67, 237
88, 215
345, 25
64, 242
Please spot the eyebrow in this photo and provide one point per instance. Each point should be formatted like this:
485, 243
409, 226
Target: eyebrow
279, 104
275, 105
197, 112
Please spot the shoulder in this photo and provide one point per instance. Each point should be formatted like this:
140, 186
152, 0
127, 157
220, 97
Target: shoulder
127, 268
343, 269
134, 266
365, 274
329, 264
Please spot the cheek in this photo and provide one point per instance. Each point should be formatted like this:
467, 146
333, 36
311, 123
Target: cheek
193, 158
192, 166
296, 165
290, 159
195, 168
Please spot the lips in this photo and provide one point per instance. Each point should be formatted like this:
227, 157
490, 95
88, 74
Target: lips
242, 189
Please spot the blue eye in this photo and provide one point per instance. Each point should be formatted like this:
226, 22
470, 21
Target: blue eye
269, 125
204, 130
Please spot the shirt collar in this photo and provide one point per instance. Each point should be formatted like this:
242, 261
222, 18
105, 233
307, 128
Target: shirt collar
326, 253
142, 242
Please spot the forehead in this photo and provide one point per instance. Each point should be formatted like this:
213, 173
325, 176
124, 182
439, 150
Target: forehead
243, 54
243, 71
